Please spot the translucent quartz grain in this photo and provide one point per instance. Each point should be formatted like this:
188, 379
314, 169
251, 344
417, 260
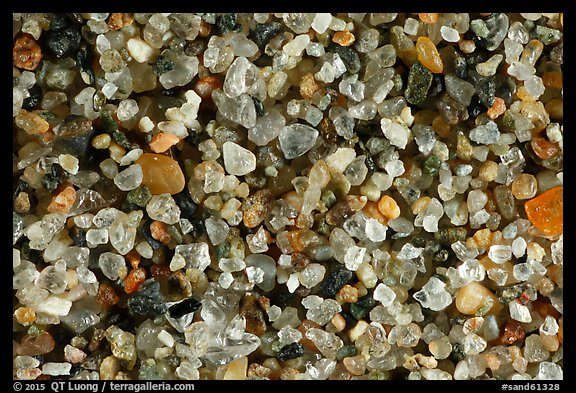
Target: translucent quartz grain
161, 174
296, 139
384, 294
434, 295
524, 186
129, 178
238, 160
163, 208
485, 134
267, 128
459, 89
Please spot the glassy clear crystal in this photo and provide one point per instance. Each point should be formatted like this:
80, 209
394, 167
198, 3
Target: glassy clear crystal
384, 294
296, 139
519, 312
354, 257
110, 263
163, 208
434, 295
197, 255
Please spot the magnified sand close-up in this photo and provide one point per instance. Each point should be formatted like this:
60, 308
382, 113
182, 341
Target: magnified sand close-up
287, 196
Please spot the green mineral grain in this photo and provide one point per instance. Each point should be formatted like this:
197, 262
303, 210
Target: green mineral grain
419, 241
122, 345
546, 35
328, 198
324, 102
362, 307
345, 352
35, 330
322, 227
121, 139
486, 90
448, 236
52, 180
227, 23
150, 371
419, 82
440, 256
431, 165
222, 250
378, 375
139, 196
162, 65
457, 353
507, 294
291, 351
508, 120
486, 306
107, 121
400, 182
478, 26
555, 163
377, 145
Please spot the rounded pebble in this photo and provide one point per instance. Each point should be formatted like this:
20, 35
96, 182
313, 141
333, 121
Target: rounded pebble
161, 174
